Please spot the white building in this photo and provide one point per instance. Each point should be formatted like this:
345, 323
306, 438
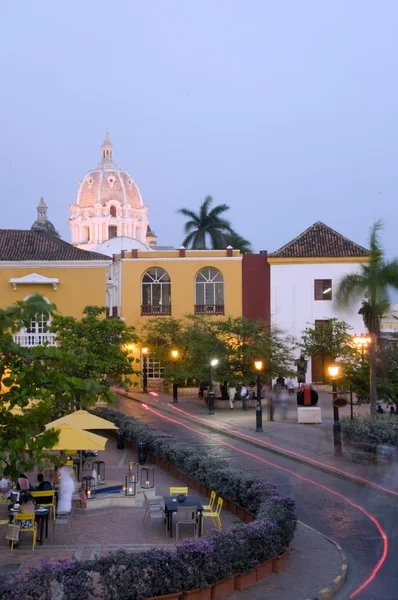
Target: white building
304, 276
389, 323
108, 205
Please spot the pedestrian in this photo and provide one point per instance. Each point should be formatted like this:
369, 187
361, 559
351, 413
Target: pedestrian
379, 410
83, 496
392, 411
284, 399
290, 386
202, 389
243, 396
231, 395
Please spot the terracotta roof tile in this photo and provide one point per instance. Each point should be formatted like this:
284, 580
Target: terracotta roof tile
18, 245
319, 240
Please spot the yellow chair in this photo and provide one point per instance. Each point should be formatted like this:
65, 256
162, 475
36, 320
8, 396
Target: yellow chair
178, 490
213, 515
50, 494
26, 517
211, 503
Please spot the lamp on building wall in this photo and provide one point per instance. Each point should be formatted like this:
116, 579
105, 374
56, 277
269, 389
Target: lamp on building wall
258, 364
175, 355
144, 369
213, 363
334, 373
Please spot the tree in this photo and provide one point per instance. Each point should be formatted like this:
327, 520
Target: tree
235, 342
95, 348
327, 341
372, 283
237, 242
29, 375
207, 224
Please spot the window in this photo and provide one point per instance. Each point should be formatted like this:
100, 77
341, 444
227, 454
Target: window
36, 334
112, 211
154, 369
323, 289
209, 292
112, 231
156, 292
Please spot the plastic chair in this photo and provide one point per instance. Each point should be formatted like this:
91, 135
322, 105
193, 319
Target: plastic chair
25, 517
178, 490
209, 507
213, 515
65, 520
50, 494
151, 504
190, 513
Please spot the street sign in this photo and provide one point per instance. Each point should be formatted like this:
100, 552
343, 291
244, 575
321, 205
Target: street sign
340, 402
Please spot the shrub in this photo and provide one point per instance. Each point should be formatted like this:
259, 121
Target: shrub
365, 433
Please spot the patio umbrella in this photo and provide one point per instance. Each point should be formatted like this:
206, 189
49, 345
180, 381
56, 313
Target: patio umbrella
17, 410
82, 419
73, 439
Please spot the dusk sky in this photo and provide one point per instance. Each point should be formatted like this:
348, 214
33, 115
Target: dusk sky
285, 110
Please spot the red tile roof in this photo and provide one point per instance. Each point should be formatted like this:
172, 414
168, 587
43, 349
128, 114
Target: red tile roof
19, 245
319, 240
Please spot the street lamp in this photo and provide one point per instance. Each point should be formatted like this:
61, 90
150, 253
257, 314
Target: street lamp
213, 363
144, 370
175, 355
362, 341
259, 410
334, 372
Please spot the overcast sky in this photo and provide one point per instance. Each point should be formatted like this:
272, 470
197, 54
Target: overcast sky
285, 110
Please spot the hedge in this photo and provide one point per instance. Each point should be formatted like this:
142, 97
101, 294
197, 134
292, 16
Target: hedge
196, 563
365, 433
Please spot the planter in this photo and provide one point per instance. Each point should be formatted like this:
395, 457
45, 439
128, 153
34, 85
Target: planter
384, 454
222, 588
175, 596
280, 562
249, 517
264, 570
203, 490
204, 594
245, 580
232, 508
241, 513
226, 505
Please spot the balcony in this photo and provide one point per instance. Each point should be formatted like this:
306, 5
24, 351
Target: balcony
209, 309
155, 310
30, 340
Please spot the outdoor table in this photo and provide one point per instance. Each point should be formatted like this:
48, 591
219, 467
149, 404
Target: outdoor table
41, 517
170, 506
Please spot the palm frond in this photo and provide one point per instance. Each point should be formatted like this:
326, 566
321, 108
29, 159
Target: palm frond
188, 240
218, 210
204, 208
188, 213
351, 287
376, 250
389, 274
190, 225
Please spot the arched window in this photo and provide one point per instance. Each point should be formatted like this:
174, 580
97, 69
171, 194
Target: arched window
156, 292
112, 231
36, 334
112, 211
209, 292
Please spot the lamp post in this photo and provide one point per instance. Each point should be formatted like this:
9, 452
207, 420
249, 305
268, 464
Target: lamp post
144, 370
334, 372
175, 354
259, 409
213, 363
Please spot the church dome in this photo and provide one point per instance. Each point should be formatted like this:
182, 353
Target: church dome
108, 182
42, 224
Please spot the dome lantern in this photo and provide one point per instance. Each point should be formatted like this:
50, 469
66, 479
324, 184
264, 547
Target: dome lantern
107, 148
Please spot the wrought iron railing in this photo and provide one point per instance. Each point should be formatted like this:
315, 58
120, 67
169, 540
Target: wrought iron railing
209, 309
155, 309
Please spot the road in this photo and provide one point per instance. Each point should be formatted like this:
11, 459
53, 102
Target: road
352, 515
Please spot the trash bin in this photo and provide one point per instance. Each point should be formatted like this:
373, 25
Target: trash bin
141, 453
120, 439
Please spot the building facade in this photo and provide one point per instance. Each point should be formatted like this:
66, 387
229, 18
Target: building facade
305, 274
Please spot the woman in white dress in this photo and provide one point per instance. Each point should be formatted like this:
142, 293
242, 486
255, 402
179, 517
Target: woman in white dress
65, 491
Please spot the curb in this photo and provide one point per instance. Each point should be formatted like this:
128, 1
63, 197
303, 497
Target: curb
337, 583
237, 437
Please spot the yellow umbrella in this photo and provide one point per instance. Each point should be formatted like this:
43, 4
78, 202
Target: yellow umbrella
76, 439
82, 419
18, 410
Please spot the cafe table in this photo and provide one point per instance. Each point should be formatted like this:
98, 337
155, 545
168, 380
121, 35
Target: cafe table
41, 518
170, 507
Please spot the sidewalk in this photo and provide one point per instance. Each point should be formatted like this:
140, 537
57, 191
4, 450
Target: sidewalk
283, 436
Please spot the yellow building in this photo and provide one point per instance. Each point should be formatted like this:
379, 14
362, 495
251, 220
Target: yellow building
37, 261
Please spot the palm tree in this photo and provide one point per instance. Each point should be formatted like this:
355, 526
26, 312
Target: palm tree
206, 224
237, 242
372, 283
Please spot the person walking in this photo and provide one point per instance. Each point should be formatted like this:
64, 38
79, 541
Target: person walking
290, 387
231, 396
243, 396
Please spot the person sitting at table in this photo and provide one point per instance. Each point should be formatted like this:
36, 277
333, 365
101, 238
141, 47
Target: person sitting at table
26, 507
42, 486
6, 486
23, 484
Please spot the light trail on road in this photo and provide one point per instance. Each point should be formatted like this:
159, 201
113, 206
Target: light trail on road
368, 515
291, 452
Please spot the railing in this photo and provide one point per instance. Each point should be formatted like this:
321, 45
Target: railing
29, 340
155, 309
112, 313
209, 309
